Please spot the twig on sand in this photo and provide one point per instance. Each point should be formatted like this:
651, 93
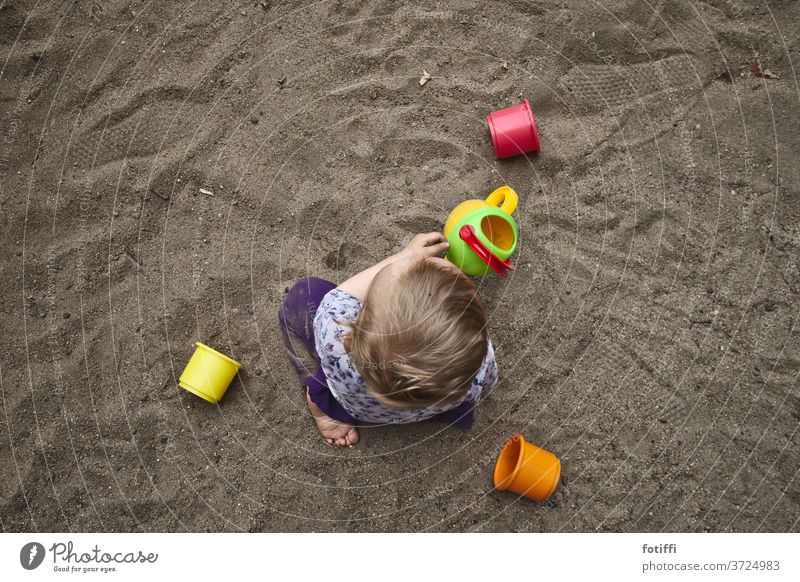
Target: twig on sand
207, 192
134, 257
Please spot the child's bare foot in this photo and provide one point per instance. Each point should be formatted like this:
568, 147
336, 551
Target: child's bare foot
333, 431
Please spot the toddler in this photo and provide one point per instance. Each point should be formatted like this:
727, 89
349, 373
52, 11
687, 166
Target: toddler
402, 341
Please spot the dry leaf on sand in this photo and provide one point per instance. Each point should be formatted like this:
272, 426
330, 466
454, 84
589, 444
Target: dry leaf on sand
755, 68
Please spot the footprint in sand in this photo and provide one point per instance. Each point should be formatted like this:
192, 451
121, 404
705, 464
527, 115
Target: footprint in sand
339, 258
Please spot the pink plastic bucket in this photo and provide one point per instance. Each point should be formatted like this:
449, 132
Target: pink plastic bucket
513, 131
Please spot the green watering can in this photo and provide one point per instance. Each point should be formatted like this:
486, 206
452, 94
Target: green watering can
482, 234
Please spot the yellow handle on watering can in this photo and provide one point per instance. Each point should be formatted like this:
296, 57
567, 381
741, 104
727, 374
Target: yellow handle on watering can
505, 197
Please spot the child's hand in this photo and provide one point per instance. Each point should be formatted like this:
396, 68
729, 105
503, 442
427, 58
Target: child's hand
431, 244
422, 245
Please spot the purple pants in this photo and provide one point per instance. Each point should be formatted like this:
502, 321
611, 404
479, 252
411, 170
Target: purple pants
296, 317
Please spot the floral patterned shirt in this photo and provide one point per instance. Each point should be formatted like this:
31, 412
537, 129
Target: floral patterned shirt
345, 382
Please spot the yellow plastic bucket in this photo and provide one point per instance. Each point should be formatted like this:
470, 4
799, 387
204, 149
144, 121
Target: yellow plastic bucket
208, 373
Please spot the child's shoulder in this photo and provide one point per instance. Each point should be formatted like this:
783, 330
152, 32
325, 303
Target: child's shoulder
336, 313
339, 305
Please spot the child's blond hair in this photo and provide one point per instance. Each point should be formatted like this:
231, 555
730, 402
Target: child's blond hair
420, 341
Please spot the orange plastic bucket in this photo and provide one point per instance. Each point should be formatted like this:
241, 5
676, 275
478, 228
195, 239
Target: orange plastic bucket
526, 469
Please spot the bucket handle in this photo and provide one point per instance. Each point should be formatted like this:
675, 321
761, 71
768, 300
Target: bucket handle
467, 234
505, 197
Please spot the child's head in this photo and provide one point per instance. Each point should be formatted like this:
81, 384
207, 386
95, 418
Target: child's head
421, 336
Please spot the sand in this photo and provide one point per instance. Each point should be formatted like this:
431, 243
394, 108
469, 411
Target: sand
648, 336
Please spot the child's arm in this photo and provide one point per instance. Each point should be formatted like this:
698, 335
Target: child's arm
422, 245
